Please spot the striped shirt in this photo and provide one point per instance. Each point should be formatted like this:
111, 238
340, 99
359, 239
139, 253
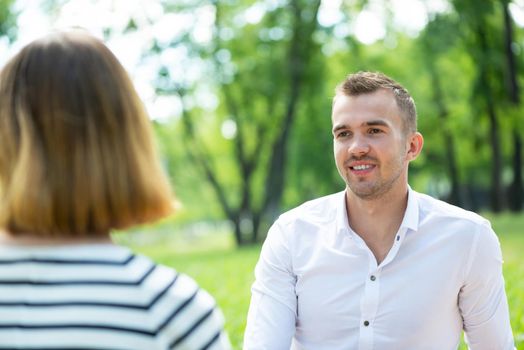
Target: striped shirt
101, 296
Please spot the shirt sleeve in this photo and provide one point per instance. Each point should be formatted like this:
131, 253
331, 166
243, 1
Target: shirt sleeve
272, 312
482, 299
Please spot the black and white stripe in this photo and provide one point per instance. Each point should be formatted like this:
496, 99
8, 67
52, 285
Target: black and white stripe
101, 297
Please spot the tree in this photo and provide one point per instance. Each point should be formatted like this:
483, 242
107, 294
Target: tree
435, 44
516, 191
260, 70
480, 37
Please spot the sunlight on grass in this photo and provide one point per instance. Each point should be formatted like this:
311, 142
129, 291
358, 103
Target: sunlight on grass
166, 238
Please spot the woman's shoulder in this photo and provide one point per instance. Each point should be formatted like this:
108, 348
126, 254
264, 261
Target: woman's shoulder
191, 318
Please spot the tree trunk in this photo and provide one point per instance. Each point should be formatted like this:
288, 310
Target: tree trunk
496, 190
455, 196
451, 163
237, 231
516, 191
298, 59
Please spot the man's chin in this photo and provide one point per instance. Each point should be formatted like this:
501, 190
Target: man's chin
365, 192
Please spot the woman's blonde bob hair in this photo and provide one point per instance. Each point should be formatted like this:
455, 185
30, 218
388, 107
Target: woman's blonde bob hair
76, 147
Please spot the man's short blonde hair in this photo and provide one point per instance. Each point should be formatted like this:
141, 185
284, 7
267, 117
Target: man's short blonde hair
76, 146
368, 82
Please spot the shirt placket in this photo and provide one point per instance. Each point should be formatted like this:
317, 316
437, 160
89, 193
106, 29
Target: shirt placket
370, 299
369, 304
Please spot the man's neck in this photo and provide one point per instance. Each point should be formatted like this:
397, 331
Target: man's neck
377, 220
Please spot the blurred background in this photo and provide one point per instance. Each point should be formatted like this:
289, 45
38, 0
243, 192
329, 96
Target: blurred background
240, 97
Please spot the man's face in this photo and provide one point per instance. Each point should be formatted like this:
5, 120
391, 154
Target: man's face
371, 150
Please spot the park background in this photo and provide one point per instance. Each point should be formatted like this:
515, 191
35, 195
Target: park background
239, 93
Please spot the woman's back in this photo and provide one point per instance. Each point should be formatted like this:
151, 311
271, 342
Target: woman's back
100, 296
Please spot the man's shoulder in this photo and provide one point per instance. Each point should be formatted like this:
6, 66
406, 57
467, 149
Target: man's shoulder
316, 210
438, 209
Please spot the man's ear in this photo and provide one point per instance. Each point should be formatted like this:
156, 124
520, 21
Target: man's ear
415, 144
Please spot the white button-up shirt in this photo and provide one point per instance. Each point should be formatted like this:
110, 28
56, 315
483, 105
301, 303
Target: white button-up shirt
318, 285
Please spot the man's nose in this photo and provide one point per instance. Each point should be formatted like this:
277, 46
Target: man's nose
359, 146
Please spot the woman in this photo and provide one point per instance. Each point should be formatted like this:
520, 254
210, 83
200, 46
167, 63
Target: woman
77, 161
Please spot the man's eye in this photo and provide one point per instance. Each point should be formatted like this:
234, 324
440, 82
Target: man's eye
343, 134
375, 131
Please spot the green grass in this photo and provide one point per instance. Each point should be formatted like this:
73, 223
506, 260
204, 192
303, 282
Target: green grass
207, 253
510, 229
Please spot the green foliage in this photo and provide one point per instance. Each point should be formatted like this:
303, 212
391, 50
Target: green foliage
8, 18
191, 190
259, 69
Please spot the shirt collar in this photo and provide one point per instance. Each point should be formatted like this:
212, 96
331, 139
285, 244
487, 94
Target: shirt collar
342, 216
411, 215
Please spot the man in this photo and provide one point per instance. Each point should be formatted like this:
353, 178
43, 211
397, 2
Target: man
378, 266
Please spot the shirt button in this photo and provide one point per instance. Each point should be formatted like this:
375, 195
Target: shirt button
366, 323
372, 278
398, 238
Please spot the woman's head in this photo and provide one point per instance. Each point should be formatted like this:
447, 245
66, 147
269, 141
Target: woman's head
76, 148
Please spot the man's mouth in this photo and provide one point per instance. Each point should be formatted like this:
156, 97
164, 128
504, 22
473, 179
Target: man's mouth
361, 167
